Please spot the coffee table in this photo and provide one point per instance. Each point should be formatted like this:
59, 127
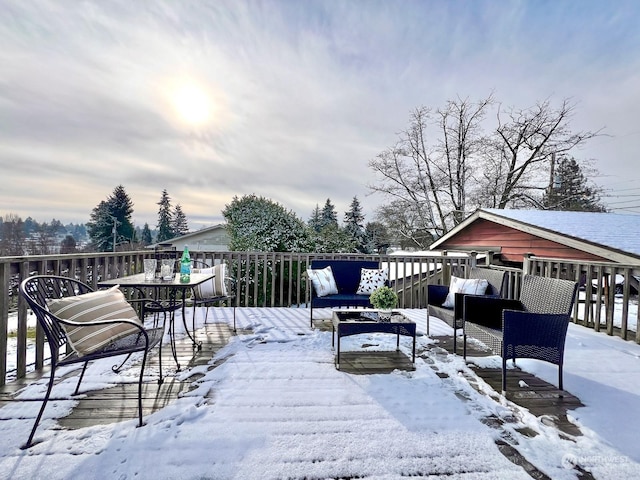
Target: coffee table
353, 322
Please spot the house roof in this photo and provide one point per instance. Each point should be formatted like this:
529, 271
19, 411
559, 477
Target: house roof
187, 236
609, 235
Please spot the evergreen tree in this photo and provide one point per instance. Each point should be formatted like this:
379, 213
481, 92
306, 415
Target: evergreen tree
332, 239
571, 190
99, 227
329, 216
112, 218
180, 226
68, 245
122, 209
146, 235
378, 237
354, 226
315, 221
259, 224
165, 230
13, 236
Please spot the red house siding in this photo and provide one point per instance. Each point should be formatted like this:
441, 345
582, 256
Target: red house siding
514, 243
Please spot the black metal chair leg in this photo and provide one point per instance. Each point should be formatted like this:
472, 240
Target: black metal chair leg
504, 374
160, 380
117, 368
464, 346
144, 361
560, 377
84, 368
44, 404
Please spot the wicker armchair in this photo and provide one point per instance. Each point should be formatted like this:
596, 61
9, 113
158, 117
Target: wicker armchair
533, 327
437, 294
42, 291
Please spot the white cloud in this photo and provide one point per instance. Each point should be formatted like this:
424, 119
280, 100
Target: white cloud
303, 94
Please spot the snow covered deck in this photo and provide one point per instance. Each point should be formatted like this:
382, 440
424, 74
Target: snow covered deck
268, 403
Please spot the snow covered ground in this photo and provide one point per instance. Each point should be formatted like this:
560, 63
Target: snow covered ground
277, 408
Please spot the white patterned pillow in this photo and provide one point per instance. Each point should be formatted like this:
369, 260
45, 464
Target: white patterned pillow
216, 287
370, 279
99, 305
470, 286
323, 281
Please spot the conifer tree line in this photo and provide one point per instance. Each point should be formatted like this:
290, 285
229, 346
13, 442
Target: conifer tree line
110, 228
111, 222
260, 224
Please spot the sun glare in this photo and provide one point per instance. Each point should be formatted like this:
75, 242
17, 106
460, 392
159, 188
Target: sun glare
192, 104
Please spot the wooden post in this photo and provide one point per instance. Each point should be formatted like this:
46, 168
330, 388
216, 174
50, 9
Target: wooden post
4, 318
527, 263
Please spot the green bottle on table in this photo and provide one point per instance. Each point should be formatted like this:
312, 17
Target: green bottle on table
185, 266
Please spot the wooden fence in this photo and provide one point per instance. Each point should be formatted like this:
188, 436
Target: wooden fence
275, 279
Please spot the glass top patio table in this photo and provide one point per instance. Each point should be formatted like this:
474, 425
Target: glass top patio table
174, 288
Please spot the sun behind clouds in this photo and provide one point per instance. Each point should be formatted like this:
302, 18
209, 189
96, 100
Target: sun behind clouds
192, 103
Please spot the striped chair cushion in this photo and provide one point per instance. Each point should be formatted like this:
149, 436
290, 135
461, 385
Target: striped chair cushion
216, 287
99, 305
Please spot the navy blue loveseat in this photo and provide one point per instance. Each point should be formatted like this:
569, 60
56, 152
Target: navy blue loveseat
347, 276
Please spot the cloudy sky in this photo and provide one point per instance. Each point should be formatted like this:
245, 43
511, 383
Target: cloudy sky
285, 99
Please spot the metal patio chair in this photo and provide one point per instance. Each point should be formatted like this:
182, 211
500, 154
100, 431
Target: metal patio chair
41, 291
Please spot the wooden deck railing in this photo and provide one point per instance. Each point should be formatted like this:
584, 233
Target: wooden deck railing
275, 279
604, 303
270, 279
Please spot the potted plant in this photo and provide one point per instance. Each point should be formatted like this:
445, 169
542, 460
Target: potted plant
384, 299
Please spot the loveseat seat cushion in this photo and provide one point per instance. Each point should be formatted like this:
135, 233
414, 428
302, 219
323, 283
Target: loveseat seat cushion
341, 299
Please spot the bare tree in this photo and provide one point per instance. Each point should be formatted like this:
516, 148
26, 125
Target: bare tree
436, 184
432, 179
13, 238
524, 145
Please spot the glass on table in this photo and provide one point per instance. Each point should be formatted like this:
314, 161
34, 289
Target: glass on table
150, 265
166, 269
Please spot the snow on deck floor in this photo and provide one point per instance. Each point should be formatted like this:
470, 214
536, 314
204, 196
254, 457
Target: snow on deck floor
278, 408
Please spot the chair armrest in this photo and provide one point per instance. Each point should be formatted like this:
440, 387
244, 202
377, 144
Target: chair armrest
96, 323
487, 311
437, 294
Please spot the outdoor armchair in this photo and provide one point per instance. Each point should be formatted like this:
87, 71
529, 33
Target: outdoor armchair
82, 325
535, 326
452, 315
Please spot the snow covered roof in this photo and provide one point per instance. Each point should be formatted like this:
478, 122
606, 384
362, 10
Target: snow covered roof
611, 232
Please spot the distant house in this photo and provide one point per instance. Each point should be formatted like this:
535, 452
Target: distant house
511, 234
210, 239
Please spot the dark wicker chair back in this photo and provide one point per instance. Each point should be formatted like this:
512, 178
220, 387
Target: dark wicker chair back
496, 278
547, 295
